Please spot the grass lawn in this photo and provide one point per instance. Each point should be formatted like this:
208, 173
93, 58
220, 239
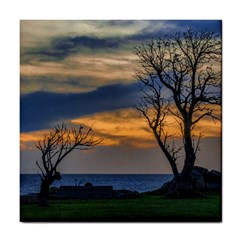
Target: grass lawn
142, 209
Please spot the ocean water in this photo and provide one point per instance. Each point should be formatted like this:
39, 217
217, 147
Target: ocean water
30, 183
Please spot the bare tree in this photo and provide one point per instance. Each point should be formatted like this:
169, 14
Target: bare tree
155, 110
55, 146
180, 75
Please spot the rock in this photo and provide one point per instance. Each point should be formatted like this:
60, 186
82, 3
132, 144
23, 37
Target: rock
85, 192
216, 173
213, 180
167, 184
206, 180
217, 186
118, 194
213, 176
88, 184
202, 180
166, 187
200, 170
29, 199
124, 194
53, 190
198, 180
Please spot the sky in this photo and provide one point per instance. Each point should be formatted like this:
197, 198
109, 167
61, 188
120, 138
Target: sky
82, 72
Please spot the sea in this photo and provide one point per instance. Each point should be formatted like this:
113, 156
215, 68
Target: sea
30, 183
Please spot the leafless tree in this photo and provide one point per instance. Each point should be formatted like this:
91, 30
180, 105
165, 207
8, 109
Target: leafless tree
54, 147
180, 75
155, 110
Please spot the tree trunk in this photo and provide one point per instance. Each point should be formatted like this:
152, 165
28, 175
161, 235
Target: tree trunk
185, 181
44, 188
174, 170
168, 156
44, 193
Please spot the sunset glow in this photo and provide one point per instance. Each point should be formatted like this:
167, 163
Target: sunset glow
125, 128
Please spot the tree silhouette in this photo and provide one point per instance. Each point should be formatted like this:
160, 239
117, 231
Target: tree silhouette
55, 146
180, 76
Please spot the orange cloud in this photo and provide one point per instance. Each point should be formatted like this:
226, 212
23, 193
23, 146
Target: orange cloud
121, 127
29, 140
209, 128
124, 127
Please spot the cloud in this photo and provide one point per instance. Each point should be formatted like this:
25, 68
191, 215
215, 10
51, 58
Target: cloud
35, 32
121, 127
125, 129
59, 84
66, 43
96, 53
85, 72
39, 110
58, 39
61, 47
200, 25
55, 40
157, 28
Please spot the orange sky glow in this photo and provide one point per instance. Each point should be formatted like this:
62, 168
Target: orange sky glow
125, 127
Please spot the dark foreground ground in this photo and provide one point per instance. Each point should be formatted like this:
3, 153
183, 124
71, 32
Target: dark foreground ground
142, 209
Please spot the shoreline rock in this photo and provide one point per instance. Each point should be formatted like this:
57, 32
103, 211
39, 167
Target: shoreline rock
203, 180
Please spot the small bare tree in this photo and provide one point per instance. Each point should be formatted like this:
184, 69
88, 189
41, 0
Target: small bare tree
180, 76
55, 146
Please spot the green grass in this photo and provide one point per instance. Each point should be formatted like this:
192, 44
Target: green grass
143, 209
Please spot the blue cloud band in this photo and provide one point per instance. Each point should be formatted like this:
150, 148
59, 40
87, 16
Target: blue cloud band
40, 109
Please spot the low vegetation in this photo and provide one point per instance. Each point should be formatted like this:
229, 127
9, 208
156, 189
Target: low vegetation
142, 209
